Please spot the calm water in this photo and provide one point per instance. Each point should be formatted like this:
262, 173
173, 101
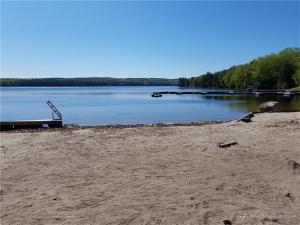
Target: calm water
127, 105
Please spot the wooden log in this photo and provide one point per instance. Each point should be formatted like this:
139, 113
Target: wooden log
246, 118
226, 145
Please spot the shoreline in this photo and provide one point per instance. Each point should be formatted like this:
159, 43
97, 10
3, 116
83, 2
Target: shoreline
166, 124
163, 124
114, 126
73, 126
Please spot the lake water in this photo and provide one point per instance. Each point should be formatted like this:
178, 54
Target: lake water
128, 105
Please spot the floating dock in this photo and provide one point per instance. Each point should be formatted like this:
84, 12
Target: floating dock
56, 121
257, 93
25, 124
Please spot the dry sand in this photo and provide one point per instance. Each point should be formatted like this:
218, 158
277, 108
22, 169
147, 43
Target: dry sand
154, 175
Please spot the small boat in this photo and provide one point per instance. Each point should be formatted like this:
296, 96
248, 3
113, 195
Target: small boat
286, 94
156, 94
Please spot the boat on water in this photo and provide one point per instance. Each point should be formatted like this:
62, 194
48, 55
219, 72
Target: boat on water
156, 95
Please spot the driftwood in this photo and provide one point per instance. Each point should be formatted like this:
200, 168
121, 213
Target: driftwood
226, 145
246, 118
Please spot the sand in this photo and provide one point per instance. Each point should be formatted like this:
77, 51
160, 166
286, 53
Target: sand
154, 175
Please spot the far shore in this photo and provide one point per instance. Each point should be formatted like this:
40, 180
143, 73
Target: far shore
160, 174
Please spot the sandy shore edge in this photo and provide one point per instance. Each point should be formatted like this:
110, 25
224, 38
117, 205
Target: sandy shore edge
154, 175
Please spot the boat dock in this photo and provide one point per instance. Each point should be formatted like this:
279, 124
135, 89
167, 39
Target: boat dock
56, 121
257, 93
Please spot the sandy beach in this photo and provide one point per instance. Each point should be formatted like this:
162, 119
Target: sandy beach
150, 175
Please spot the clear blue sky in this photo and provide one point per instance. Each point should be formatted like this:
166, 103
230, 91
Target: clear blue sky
140, 39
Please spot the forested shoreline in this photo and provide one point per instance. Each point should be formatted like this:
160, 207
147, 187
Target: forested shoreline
92, 81
274, 71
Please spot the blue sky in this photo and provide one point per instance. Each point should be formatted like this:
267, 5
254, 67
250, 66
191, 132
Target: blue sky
140, 39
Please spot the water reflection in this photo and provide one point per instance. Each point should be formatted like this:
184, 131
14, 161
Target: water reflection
251, 102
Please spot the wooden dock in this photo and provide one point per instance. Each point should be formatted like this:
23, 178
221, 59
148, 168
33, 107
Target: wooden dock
25, 124
256, 93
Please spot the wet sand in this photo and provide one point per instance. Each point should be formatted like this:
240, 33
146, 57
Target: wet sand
151, 175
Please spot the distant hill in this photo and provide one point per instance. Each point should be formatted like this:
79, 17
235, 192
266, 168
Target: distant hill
274, 71
92, 81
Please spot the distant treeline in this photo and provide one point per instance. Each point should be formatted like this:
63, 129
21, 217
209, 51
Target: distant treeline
275, 71
92, 81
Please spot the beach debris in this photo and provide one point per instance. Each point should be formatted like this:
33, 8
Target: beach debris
294, 167
226, 145
204, 149
271, 220
227, 222
294, 121
289, 195
267, 106
246, 118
